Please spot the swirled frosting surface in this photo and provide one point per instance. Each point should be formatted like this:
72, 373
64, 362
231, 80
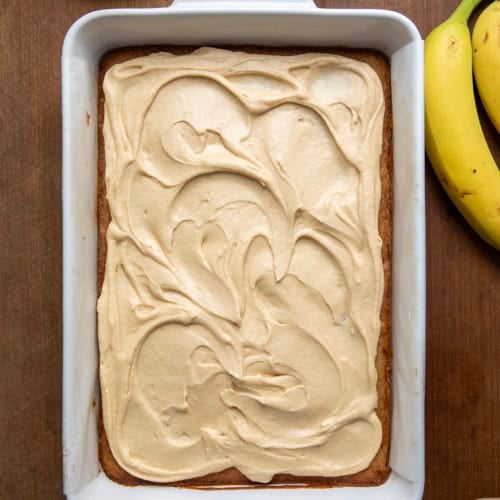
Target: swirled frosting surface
239, 317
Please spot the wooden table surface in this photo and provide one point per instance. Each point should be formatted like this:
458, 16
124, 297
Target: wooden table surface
463, 306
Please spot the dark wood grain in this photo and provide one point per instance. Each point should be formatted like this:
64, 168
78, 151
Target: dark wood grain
463, 327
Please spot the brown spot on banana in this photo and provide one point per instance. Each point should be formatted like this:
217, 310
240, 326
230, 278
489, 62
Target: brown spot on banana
453, 43
463, 194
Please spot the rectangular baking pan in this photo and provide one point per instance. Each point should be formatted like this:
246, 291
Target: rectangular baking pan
268, 23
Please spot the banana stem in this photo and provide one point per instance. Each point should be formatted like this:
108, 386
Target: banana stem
464, 10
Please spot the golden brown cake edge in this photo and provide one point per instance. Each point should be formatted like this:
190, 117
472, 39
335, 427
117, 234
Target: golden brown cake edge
378, 471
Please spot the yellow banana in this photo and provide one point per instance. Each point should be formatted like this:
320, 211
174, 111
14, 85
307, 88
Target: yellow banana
454, 140
486, 60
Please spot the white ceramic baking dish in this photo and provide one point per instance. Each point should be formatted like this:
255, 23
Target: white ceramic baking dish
271, 22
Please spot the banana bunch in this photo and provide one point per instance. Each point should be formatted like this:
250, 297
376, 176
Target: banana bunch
454, 139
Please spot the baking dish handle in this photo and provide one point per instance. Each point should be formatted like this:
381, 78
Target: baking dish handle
244, 4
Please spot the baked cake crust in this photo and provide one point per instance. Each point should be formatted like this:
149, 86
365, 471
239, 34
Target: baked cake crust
378, 470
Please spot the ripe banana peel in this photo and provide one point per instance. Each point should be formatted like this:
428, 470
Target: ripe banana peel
454, 139
486, 60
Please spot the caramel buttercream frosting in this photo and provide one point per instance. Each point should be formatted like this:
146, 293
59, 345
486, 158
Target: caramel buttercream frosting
240, 312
